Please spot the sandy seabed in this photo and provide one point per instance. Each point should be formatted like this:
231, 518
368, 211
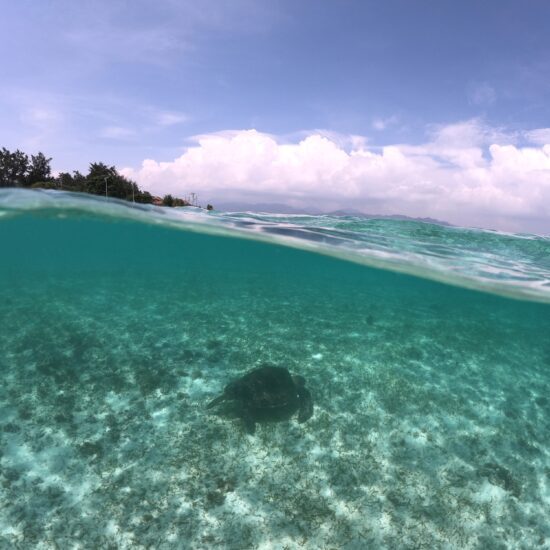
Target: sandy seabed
434, 439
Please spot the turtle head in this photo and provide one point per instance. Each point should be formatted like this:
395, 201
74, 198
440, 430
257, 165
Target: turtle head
300, 381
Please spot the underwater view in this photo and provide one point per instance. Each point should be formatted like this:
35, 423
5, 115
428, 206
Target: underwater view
420, 355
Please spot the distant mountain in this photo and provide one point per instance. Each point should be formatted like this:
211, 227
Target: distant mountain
425, 220
279, 208
348, 212
268, 207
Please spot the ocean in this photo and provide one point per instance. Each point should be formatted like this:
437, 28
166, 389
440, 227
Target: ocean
426, 349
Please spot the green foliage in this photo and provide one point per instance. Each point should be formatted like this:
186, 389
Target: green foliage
144, 197
102, 177
105, 180
52, 184
13, 168
74, 182
39, 170
180, 202
17, 170
169, 200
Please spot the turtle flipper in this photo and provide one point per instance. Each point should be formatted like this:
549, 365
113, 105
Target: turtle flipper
306, 405
214, 402
249, 423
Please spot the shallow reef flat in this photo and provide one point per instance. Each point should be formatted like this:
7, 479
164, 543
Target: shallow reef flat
431, 419
425, 434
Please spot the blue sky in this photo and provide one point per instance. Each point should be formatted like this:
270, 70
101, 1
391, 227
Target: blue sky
126, 81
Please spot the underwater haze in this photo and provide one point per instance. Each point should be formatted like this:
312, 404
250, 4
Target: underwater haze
426, 349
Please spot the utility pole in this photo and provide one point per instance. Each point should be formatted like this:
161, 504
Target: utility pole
105, 178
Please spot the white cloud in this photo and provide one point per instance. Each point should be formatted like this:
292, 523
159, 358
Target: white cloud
540, 136
468, 133
459, 174
383, 123
170, 118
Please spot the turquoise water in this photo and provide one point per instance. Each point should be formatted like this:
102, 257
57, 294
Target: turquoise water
427, 354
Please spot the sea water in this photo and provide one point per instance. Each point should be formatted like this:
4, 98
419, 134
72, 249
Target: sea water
426, 349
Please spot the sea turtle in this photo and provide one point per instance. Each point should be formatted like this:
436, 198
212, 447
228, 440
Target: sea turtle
266, 394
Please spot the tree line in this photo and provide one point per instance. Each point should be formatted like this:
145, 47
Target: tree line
17, 169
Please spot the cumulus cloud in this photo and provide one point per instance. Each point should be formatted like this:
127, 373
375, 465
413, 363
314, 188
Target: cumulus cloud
540, 136
466, 173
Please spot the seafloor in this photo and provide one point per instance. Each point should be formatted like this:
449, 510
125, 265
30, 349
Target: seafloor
431, 424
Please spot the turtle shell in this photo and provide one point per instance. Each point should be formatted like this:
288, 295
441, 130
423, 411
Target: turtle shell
265, 394
267, 389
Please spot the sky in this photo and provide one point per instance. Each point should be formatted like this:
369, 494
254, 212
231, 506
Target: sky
425, 108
